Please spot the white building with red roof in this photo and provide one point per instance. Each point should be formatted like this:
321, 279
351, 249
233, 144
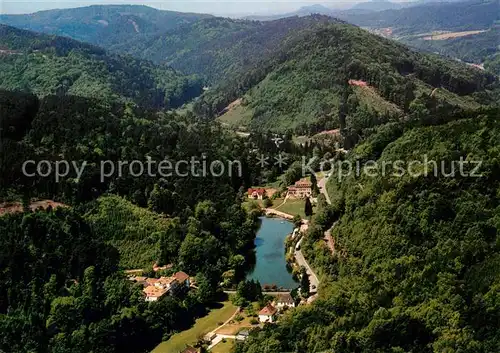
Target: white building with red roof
268, 314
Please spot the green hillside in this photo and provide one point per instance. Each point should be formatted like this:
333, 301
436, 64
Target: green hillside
478, 48
45, 65
305, 83
416, 264
218, 48
102, 25
456, 16
136, 232
414, 25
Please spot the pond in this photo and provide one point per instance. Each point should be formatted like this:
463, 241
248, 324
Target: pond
270, 266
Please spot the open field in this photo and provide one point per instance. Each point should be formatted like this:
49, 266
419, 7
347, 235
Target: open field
451, 35
202, 326
236, 115
293, 207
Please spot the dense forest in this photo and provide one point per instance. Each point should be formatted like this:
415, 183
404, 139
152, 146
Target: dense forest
303, 86
416, 258
50, 65
103, 25
415, 266
478, 48
218, 48
69, 296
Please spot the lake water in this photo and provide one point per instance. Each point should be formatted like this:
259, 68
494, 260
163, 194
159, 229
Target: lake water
270, 267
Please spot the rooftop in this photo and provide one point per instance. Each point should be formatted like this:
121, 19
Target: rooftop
258, 191
181, 276
268, 310
285, 298
152, 291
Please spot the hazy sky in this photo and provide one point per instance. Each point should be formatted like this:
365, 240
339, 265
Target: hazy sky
205, 6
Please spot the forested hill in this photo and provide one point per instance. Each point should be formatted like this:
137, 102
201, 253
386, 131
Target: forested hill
47, 64
218, 48
305, 83
102, 24
416, 263
465, 30
467, 15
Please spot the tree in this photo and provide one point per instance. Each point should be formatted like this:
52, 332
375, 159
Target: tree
308, 209
314, 186
304, 282
297, 221
293, 173
267, 202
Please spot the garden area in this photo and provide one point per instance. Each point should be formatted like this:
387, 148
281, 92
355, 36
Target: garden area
246, 319
204, 325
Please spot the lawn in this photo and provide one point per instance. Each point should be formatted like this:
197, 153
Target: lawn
202, 326
293, 207
223, 347
234, 326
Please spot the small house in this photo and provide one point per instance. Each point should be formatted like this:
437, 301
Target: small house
284, 300
154, 293
268, 314
256, 194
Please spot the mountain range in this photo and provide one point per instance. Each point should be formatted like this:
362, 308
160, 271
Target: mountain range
102, 25
406, 248
47, 64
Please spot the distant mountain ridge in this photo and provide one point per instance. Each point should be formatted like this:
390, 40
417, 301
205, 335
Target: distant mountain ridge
303, 85
218, 48
467, 15
47, 64
379, 5
103, 25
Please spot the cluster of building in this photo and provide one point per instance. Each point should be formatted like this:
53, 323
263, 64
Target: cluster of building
300, 190
155, 288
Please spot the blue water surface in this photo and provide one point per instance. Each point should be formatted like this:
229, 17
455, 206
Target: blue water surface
270, 267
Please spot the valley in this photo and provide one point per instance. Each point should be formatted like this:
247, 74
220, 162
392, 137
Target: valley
325, 180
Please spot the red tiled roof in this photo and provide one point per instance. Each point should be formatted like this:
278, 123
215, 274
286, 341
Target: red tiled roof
153, 291
259, 191
268, 310
181, 276
151, 281
190, 350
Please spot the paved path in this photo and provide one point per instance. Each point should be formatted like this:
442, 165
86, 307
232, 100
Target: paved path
322, 189
313, 279
218, 339
225, 323
272, 211
268, 293
330, 242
